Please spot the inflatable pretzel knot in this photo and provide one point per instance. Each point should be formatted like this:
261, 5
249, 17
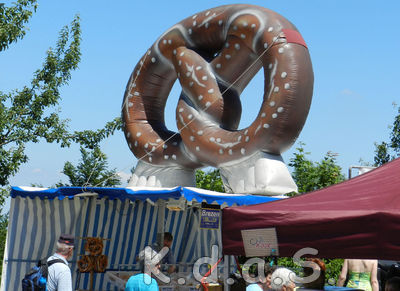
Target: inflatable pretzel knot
214, 54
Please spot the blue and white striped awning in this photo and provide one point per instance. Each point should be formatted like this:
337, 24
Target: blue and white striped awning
189, 193
123, 216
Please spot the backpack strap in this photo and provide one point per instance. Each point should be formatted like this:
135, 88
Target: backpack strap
49, 263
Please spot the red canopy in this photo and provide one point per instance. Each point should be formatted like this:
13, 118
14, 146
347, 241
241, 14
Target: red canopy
358, 218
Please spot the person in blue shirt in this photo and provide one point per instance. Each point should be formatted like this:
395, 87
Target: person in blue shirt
144, 281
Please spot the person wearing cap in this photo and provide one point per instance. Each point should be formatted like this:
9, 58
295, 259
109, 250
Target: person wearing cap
59, 274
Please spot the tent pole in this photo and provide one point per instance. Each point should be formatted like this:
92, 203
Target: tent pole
161, 222
227, 265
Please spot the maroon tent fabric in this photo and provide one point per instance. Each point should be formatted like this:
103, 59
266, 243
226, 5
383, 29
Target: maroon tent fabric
358, 218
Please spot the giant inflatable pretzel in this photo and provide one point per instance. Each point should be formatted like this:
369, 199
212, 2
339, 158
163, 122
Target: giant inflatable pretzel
214, 54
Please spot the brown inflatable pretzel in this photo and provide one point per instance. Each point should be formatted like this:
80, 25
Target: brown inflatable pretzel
214, 54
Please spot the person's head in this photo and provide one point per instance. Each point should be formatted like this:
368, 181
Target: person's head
65, 245
268, 273
168, 239
282, 279
319, 266
393, 284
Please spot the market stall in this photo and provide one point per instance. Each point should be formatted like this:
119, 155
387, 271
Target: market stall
358, 218
128, 219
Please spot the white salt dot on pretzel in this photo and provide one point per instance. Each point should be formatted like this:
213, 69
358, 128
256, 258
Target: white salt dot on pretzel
146, 145
190, 31
174, 52
198, 68
136, 93
134, 85
164, 146
188, 74
169, 41
235, 27
274, 38
211, 91
191, 84
265, 45
182, 54
194, 23
179, 74
208, 104
130, 145
153, 148
246, 132
270, 66
153, 60
220, 22
158, 140
239, 138
230, 152
180, 109
253, 25
287, 86
197, 148
200, 132
247, 139
272, 103
192, 138
281, 50
200, 97
204, 78
274, 115
276, 89
164, 41
266, 125
150, 159
270, 29
221, 151
207, 13
136, 143
174, 157
218, 139
237, 46
207, 25
280, 109
128, 134
227, 57
263, 114
141, 62
227, 44
130, 104
283, 75
245, 24
166, 157
242, 35
212, 139
194, 16
242, 151
174, 143
218, 66
190, 116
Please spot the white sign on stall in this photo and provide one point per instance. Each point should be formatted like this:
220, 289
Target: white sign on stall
260, 242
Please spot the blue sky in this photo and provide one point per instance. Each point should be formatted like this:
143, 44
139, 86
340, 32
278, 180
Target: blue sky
354, 48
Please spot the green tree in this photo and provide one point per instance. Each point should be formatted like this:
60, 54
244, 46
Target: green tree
210, 180
385, 152
92, 170
12, 21
310, 176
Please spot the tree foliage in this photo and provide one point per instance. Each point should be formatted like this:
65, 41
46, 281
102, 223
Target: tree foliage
385, 152
31, 113
210, 180
92, 170
12, 21
309, 175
